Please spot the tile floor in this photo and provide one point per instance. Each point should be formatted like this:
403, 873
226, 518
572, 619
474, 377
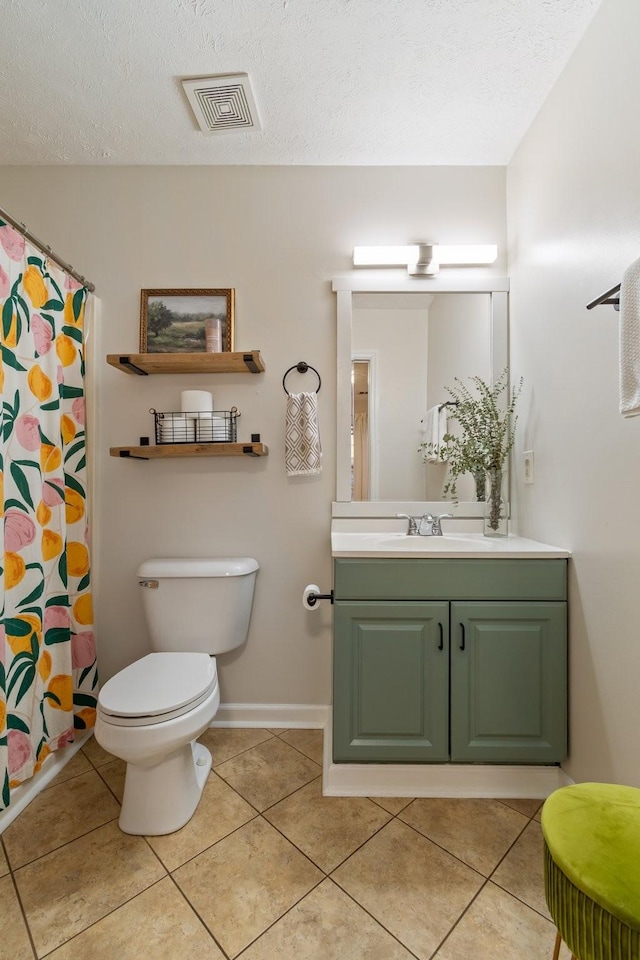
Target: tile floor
269, 869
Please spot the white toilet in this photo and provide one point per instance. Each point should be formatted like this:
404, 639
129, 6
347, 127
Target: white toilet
151, 713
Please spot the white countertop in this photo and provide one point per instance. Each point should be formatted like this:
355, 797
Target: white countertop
357, 539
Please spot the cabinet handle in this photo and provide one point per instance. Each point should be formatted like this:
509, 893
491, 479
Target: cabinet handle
463, 640
441, 644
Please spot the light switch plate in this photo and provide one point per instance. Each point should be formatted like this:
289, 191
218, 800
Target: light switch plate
527, 466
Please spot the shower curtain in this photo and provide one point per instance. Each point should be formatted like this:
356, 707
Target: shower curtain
48, 675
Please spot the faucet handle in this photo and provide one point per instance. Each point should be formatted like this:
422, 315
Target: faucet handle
412, 525
436, 528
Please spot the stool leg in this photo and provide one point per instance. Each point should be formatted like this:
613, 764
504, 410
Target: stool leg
556, 949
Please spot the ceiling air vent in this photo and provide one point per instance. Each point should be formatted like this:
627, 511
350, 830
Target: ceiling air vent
221, 103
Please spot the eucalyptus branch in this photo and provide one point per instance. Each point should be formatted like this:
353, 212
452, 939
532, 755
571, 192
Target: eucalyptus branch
488, 432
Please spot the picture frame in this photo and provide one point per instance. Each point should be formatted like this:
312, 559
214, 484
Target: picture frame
187, 321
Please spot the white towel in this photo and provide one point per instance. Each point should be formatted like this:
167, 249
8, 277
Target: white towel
630, 341
302, 450
434, 427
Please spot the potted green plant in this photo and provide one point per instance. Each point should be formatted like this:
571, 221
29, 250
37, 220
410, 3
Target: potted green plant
488, 432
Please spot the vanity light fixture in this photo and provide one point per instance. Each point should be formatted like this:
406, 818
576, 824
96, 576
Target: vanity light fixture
424, 259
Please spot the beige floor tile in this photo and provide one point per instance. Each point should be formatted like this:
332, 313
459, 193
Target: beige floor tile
95, 754
526, 807
411, 886
219, 812
309, 742
498, 925
393, 804
327, 924
521, 872
4, 866
73, 887
327, 829
58, 815
478, 832
76, 766
245, 883
278, 731
227, 742
14, 939
538, 815
157, 925
268, 772
113, 774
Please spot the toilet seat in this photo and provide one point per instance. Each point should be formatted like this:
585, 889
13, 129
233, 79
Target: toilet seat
157, 688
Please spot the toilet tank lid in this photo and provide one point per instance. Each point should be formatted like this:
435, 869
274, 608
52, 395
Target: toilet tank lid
197, 567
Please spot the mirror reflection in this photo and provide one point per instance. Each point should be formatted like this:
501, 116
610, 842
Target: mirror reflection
406, 349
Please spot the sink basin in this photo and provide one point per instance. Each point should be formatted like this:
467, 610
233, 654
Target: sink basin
444, 544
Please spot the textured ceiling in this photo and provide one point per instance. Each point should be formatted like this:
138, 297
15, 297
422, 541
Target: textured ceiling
336, 81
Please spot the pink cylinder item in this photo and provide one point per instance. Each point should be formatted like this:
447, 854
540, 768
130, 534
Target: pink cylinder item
213, 335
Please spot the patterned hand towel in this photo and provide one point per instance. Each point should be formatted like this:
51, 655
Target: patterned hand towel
630, 341
302, 450
434, 427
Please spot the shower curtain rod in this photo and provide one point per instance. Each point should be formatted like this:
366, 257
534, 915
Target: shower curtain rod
21, 228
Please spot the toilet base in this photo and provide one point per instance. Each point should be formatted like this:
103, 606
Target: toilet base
162, 798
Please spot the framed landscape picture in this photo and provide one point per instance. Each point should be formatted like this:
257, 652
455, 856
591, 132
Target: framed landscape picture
187, 321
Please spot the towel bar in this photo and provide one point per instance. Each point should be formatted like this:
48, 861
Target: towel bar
607, 297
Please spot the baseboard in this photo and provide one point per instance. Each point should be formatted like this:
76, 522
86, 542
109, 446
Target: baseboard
436, 779
22, 796
440, 780
285, 715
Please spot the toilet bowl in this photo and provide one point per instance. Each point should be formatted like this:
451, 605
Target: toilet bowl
151, 713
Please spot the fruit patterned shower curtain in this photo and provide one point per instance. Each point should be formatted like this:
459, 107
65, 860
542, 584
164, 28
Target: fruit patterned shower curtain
48, 676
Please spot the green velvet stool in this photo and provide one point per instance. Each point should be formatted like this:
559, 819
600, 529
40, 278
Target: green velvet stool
592, 869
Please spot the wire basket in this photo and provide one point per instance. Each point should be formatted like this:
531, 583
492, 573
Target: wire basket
210, 426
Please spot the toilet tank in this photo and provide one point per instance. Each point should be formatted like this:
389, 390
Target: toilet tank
197, 605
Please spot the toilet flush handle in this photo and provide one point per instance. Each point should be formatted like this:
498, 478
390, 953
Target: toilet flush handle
151, 584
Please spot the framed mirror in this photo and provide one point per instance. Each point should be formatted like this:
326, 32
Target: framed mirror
400, 343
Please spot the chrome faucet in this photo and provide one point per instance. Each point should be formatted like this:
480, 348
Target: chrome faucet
412, 530
424, 526
430, 525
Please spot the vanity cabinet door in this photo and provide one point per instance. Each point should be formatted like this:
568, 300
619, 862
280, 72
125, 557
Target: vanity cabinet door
508, 682
391, 681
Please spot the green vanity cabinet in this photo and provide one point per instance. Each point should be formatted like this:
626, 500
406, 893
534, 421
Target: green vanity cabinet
391, 681
450, 660
508, 682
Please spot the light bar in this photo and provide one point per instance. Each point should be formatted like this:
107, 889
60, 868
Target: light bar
411, 254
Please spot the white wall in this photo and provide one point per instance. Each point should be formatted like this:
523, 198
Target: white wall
459, 346
399, 340
574, 225
276, 234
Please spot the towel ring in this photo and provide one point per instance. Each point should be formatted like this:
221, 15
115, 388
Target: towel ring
301, 367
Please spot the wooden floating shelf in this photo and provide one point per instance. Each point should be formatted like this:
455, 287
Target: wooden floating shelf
143, 364
163, 450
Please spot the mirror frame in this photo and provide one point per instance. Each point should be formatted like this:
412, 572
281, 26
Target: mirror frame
345, 287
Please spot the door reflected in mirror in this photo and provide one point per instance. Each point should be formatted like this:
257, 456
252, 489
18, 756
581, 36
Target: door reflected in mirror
360, 431
406, 349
